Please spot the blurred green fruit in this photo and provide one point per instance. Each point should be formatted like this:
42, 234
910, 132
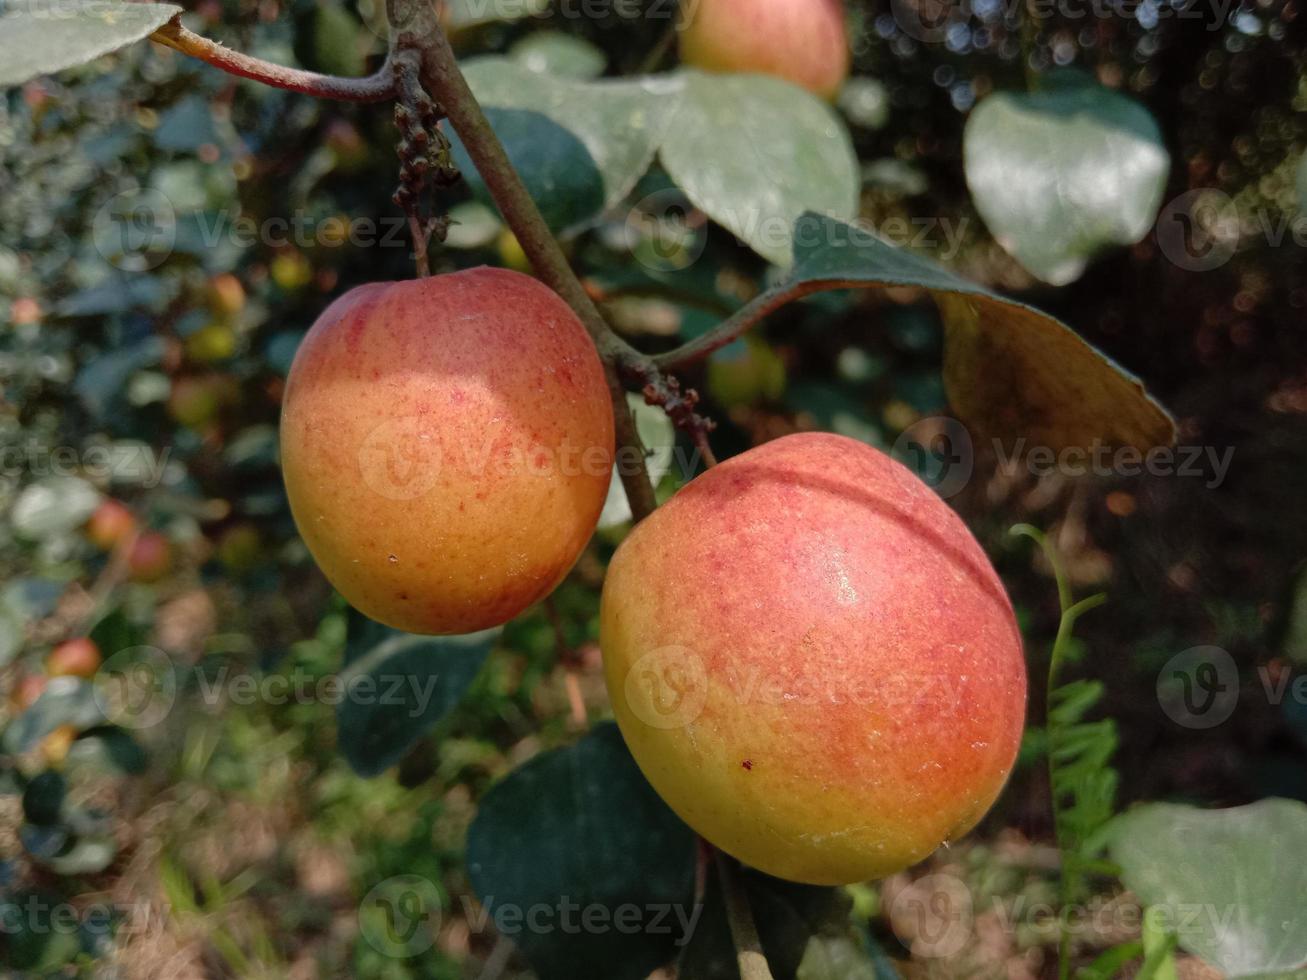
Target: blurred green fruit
212, 342
511, 255
240, 547
290, 270
745, 373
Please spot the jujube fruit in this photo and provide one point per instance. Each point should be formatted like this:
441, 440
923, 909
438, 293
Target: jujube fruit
150, 558
802, 41
447, 447
813, 662
109, 524
78, 657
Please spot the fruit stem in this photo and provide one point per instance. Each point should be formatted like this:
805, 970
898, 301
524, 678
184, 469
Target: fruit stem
748, 947
376, 87
415, 32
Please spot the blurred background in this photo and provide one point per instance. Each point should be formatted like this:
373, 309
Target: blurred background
230, 837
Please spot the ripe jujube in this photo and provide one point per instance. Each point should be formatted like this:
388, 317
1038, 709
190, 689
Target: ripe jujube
813, 661
447, 447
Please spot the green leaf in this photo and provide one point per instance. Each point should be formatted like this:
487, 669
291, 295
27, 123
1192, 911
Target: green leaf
579, 146
658, 436
1064, 172
835, 958
12, 633
101, 382
65, 701
52, 506
40, 38
36, 940
1229, 883
559, 54
1011, 372
87, 855
108, 749
44, 798
396, 692
755, 152
578, 835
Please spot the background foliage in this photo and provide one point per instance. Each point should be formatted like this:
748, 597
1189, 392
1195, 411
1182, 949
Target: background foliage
245, 834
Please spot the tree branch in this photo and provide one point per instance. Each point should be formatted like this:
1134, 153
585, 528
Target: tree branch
748, 947
373, 88
416, 33
740, 321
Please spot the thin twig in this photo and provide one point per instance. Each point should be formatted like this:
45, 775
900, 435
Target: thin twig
415, 27
742, 320
374, 88
748, 947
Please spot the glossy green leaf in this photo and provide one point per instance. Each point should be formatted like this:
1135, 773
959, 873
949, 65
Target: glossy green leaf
1011, 372
52, 506
1064, 172
1228, 883
579, 146
755, 152
42, 38
577, 835
396, 691
559, 54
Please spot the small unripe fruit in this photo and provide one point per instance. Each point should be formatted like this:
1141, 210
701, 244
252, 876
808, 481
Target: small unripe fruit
802, 41
447, 447
744, 373
511, 253
212, 342
813, 661
196, 402
26, 692
290, 270
240, 547
150, 558
79, 657
54, 747
109, 524
24, 311
226, 295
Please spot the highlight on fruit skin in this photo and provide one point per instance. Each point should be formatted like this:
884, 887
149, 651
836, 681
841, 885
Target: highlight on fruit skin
447, 446
813, 661
803, 41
